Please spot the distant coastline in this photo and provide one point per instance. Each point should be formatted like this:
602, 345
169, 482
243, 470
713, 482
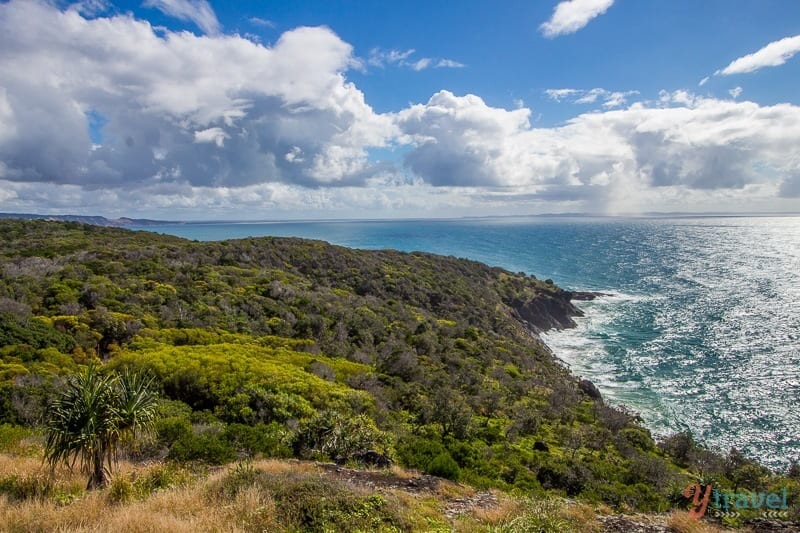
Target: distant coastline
126, 222
122, 222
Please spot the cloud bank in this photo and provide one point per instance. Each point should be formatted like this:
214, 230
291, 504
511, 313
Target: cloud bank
110, 115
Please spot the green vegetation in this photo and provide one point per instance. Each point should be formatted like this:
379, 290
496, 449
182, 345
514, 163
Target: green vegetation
279, 347
92, 415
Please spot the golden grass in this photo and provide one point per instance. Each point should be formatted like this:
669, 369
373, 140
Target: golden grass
177, 510
401, 473
682, 522
505, 509
582, 516
448, 490
190, 503
274, 466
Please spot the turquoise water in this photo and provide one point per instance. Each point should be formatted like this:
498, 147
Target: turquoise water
703, 328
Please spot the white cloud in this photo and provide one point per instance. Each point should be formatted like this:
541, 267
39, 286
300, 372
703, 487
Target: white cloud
610, 99
680, 97
264, 23
230, 128
590, 96
772, 55
163, 96
736, 92
420, 64
560, 94
570, 16
449, 63
383, 58
90, 8
686, 146
198, 12
211, 135
703, 81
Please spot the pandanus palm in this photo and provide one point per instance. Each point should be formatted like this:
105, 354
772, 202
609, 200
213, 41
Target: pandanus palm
86, 423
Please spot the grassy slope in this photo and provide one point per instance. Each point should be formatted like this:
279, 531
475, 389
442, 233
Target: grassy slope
277, 496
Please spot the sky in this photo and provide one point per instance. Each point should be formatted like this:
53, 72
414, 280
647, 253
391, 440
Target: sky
254, 110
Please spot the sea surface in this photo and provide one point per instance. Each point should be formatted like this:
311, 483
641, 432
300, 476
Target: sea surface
702, 328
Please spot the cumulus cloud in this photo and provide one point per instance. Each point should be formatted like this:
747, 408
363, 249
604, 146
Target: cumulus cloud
170, 102
736, 92
772, 55
570, 16
684, 143
198, 12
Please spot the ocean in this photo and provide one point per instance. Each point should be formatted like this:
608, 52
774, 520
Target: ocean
701, 330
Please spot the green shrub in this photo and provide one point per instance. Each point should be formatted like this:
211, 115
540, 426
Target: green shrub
418, 452
11, 435
121, 489
138, 485
243, 475
168, 430
206, 448
538, 516
443, 465
18, 487
339, 437
173, 408
317, 504
265, 439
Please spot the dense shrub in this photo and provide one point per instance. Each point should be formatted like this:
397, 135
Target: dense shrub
269, 440
443, 465
209, 448
339, 437
18, 487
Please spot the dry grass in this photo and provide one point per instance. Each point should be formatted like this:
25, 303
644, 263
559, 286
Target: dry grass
582, 516
682, 522
505, 509
275, 467
447, 490
401, 473
185, 509
179, 502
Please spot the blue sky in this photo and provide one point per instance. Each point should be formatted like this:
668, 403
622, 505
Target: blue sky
194, 110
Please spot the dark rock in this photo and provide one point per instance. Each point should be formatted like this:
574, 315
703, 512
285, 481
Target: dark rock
763, 524
549, 310
373, 458
584, 296
589, 388
541, 446
631, 524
